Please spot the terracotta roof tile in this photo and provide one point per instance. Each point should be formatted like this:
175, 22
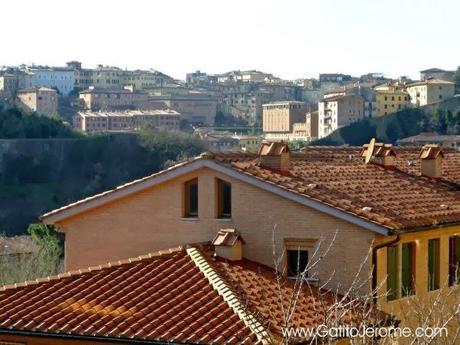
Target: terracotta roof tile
158, 297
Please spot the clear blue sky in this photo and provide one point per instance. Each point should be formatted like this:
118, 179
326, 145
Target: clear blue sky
289, 38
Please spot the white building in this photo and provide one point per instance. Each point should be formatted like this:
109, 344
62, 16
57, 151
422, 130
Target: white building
60, 78
338, 111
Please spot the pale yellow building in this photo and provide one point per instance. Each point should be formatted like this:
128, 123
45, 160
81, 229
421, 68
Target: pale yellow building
248, 143
430, 91
42, 100
390, 98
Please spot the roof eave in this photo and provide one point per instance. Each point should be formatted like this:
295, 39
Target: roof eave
56, 216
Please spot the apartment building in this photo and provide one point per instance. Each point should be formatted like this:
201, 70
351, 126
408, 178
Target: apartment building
42, 100
111, 77
347, 195
391, 97
430, 91
195, 108
312, 122
59, 78
281, 119
112, 121
336, 111
437, 73
110, 99
9, 84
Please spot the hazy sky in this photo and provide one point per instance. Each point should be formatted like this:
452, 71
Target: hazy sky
289, 38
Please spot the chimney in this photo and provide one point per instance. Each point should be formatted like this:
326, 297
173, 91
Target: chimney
431, 160
274, 155
378, 153
228, 244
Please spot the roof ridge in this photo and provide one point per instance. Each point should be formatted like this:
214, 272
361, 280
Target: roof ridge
225, 289
153, 255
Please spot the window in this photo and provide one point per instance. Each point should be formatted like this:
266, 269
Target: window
400, 270
407, 269
296, 261
224, 199
454, 260
191, 198
392, 273
433, 264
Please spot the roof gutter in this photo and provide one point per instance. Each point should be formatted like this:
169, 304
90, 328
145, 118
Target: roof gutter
374, 263
85, 337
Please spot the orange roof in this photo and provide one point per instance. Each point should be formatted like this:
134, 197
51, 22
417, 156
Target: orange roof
391, 199
161, 297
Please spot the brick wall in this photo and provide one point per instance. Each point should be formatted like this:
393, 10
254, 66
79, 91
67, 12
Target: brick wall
151, 220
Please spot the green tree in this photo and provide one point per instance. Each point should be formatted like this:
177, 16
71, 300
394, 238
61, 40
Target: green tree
45, 258
457, 80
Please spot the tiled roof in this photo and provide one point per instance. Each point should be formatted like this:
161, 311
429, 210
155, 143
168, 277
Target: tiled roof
163, 297
389, 197
396, 198
166, 297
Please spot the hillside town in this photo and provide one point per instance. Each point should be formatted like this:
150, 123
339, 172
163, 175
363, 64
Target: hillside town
111, 99
232, 172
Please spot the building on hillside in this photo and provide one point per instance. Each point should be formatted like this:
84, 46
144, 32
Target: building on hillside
248, 143
437, 73
336, 111
390, 98
42, 100
278, 118
430, 91
9, 84
312, 122
446, 141
199, 78
109, 99
348, 196
113, 121
195, 108
115, 78
59, 78
334, 77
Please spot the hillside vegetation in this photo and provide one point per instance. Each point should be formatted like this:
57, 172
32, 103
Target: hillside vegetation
45, 164
405, 123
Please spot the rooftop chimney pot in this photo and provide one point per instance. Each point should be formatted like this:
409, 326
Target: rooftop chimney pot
275, 155
228, 244
431, 160
378, 153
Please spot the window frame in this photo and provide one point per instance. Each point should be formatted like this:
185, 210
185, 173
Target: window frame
454, 256
298, 244
187, 203
220, 201
401, 274
434, 263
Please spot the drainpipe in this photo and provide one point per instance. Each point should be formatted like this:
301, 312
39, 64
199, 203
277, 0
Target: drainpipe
374, 263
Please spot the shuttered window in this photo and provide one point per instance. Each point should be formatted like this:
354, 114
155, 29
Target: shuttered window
433, 264
392, 273
454, 260
407, 269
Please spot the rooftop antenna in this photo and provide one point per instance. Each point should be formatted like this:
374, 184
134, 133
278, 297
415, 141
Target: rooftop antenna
370, 151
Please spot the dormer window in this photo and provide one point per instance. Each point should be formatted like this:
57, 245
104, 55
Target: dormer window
191, 198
